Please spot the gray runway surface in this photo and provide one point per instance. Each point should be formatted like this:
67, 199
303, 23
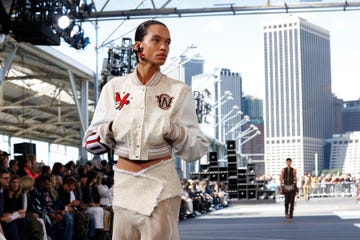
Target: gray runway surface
328, 219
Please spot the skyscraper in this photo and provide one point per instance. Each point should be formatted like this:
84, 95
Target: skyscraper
298, 98
230, 81
253, 107
351, 116
191, 68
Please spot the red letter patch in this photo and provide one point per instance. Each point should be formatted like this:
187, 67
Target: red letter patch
121, 101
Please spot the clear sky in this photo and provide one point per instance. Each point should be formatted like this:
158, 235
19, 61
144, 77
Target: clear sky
235, 42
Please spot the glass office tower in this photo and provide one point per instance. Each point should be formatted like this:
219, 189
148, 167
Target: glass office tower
298, 98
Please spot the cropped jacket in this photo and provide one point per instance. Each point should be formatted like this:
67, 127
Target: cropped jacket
145, 122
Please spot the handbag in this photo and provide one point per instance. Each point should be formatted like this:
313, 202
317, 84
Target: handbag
288, 187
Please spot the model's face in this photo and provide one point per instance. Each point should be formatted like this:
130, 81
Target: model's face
288, 163
156, 45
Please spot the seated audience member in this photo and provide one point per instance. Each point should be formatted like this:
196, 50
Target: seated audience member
4, 160
58, 169
106, 169
104, 188
46, 170
70, 168
185, 197
198, 199
4, 183
14, 166
76, 208
221, 194
29, 167
59, 224
13, 204
35, 225
91, 197
82, 179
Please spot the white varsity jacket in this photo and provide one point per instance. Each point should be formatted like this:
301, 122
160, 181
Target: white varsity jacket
147, 121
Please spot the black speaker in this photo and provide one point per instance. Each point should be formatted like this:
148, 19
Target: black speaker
213, 159
213, 175
233, 193
204, 167
232, 167
251, 170
242, 177
25, 148
231, 151
242, 194
242, 186
251, 180
204, 175
265, 195
233, 183
261, 184
230, 144
195, 175
262, 195
271, 194
223, 174
251, 194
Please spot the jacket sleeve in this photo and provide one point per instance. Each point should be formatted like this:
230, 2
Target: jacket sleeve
98, 138
186, 138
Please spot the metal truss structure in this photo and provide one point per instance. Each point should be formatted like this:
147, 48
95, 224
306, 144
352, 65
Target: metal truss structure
169, 9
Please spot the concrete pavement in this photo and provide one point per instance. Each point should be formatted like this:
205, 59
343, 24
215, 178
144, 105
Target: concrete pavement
319, 218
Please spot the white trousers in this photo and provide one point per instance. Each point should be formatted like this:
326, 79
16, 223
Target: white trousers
162, 224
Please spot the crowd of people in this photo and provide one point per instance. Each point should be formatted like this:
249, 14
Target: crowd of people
324, 185
70, 201
201, 196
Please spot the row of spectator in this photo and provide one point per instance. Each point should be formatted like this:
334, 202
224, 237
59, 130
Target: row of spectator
202, 196
50, 203
39, 202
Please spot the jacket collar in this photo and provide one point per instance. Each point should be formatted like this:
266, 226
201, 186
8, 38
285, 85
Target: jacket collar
152, 82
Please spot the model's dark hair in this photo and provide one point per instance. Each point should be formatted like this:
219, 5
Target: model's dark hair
142, 29
289, 159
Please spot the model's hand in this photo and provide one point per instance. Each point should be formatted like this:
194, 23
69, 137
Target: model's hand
93, 144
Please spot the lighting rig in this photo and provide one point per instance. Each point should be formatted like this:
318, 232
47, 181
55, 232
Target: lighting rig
202, 107
121, 60
44, 22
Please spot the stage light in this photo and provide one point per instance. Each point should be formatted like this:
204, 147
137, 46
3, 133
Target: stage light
63, 22
74, 36
74, 30
45, 22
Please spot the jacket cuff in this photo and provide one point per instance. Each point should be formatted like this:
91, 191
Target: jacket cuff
106, 135
176, 134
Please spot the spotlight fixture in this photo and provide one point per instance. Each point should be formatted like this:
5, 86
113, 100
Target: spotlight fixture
63, 22
44, 22
74, 35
